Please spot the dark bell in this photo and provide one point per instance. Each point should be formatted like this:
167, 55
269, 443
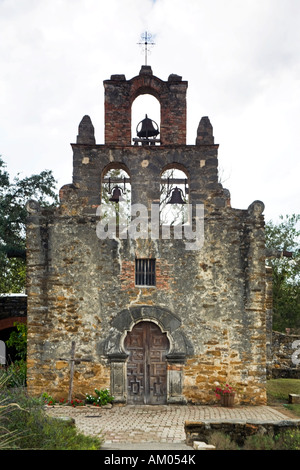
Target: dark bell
176, 197
147, 129
116, 195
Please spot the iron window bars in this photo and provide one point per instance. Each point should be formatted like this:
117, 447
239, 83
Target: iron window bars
145, 272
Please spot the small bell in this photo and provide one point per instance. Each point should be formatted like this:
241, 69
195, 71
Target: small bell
176, 197
116, 195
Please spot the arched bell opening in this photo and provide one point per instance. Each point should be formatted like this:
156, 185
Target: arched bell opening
116, 193
145, 121
174, 195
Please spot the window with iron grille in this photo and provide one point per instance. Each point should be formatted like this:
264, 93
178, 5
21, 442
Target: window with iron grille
145, 272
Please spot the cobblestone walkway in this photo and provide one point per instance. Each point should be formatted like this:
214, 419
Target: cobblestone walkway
150, 424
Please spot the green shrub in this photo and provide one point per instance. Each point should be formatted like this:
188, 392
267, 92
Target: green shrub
8, 438
15, 374
37, 431
102, 397
222, 441
288, 440
259, 442
18, 340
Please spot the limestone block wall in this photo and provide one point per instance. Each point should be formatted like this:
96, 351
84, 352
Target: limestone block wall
82, 288
285, 355
211, 302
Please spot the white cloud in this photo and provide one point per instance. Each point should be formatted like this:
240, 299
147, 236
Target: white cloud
241, 59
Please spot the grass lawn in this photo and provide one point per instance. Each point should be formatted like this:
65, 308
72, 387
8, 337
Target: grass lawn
278, 391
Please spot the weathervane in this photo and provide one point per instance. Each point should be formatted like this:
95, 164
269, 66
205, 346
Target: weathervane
146, 38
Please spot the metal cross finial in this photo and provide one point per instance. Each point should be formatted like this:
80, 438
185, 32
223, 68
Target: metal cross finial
146, 38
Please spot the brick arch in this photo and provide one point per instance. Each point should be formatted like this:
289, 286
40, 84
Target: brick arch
120, 94
6, 323
152, 86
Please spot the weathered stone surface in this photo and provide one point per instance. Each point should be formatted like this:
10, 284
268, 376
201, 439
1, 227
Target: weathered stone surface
200, 445
285, 347
205, 132
211, 302
237, 431
86, 133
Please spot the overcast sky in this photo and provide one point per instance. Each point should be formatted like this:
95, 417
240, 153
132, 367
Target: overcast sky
241, 59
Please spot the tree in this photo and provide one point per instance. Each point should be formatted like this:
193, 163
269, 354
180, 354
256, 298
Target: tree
13, 197
283, 245
18, 340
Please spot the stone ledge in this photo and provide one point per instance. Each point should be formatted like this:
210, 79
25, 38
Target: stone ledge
294, 398
285, 373
237, 430
200, 445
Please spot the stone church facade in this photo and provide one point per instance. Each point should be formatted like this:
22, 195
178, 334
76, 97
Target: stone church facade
154, 318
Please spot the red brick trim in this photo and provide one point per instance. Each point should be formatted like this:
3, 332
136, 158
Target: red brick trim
9, 322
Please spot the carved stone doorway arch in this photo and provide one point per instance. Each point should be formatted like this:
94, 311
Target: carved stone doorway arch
179, 349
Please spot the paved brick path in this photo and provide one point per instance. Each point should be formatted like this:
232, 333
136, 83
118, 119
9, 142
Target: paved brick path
163, 424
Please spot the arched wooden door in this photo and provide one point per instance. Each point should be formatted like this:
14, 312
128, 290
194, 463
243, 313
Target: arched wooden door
147, 366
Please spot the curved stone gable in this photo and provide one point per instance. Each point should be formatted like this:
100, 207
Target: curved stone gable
168, 322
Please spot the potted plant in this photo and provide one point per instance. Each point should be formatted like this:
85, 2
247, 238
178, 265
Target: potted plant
225, 393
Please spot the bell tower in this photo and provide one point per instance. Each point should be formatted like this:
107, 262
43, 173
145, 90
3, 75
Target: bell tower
146, 265
120, 94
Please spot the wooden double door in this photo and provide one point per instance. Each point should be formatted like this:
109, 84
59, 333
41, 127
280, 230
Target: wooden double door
147, 366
